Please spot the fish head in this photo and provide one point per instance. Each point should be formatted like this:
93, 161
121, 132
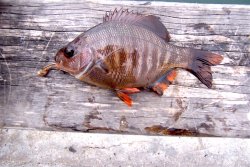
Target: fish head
74, 58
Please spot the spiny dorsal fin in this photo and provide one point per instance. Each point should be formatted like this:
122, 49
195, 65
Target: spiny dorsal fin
149, 22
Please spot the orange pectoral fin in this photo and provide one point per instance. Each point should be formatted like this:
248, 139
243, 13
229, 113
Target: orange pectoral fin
124, 97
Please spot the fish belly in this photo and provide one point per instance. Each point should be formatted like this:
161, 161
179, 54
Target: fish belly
133, 55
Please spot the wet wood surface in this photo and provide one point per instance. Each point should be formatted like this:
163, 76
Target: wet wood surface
32, 31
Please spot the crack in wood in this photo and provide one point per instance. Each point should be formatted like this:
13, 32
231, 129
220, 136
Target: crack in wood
158, 129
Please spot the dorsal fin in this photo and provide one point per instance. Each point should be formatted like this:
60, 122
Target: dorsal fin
149, 22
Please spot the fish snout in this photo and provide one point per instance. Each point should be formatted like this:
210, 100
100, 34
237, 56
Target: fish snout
59, 56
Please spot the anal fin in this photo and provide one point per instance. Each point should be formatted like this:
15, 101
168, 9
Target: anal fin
163, 82
171, 75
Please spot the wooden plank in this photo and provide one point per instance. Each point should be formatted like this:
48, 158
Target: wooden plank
44, 148
31, 32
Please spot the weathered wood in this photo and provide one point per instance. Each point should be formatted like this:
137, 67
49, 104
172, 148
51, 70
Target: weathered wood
62, 149
31, 32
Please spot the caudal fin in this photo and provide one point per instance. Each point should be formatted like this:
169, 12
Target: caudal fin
201, 65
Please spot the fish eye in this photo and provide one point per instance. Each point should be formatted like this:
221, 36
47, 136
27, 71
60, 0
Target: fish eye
69, 52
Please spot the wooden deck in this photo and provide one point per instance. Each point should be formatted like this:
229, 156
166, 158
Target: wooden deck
31, 32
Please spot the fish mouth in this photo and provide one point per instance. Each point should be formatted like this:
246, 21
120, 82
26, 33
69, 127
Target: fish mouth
45, 70
54, 66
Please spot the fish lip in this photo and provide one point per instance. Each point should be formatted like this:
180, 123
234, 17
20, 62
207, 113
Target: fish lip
86, 69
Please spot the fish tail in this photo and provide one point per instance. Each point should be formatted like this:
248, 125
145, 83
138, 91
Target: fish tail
201, 65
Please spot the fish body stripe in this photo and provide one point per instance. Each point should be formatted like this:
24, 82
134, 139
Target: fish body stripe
136, 53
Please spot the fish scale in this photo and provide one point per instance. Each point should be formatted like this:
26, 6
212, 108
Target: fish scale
130, 51
136, 38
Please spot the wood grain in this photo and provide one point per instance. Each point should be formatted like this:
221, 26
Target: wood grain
31, 32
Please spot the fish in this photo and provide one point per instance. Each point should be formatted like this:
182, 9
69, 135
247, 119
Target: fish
129, 52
